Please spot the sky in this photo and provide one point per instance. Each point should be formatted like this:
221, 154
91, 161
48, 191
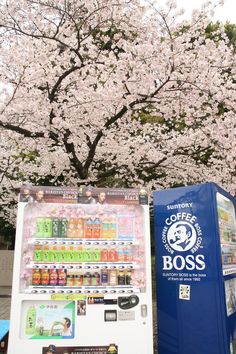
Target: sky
224, 13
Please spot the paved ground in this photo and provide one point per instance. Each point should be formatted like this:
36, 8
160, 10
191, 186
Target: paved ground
5, 302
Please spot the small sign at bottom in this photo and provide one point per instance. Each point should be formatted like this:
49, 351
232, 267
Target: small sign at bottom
184, 292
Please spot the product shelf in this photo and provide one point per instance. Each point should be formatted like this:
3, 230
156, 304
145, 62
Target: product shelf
85, 242
119, 289
85, 265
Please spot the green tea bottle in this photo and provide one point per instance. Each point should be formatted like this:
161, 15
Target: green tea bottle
30, 321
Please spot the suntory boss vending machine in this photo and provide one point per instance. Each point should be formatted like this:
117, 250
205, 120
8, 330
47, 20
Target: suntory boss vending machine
82, 272
195, 240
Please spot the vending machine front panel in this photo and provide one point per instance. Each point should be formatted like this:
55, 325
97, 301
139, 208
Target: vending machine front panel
82, 278
192, 286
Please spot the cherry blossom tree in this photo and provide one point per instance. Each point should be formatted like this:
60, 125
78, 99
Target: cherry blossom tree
113, 92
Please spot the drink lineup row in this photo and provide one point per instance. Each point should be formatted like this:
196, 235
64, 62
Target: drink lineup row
91, 227
82, 253
78, 278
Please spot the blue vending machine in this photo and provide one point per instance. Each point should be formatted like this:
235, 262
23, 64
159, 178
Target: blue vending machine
195, 242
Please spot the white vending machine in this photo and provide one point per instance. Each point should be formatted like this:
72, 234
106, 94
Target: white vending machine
82, 272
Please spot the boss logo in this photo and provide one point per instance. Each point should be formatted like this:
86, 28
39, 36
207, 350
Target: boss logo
190, 262
182, 233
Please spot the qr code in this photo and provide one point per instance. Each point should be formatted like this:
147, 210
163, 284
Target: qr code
184, 292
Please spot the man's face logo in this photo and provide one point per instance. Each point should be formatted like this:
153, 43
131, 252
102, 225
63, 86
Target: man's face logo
181, 236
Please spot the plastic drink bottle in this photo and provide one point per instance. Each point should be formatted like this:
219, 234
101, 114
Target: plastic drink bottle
88, 228
36, 277
61, 277
55, 227
87, 279
37, 255
96, 255
121, 277
39, 227
44, 277
63, 228
54, 254
47, 227
63, 255
97, 228
112, 227
80, 254
105, 228
113, 277
30, 321
121, 254
71, 228
53, 277
76, 280
113, 255
80, 228
96, 279
104, 255
104, 277
46, 254
71, 254
128, 275
70, 280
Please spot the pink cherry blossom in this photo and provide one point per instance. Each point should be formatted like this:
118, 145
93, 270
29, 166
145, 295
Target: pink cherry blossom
113, 91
